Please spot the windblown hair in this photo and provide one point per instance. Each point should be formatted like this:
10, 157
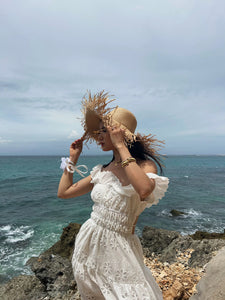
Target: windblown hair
142, 149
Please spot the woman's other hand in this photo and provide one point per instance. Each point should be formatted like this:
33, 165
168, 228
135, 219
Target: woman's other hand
117, 136
75, 150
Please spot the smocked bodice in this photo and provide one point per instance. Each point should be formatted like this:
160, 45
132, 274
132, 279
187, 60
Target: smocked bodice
115, 206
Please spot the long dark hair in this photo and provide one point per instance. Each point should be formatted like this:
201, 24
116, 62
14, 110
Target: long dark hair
141, 150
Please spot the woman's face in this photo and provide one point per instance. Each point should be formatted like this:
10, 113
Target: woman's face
104, 139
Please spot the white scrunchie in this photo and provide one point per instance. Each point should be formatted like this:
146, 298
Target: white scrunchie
66, 163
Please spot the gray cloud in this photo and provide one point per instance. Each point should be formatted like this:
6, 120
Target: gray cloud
163, 60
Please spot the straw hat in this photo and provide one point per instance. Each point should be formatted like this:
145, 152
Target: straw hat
95, 110
118, 116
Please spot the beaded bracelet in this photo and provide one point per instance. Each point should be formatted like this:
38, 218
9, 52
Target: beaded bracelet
127, 161
66, 163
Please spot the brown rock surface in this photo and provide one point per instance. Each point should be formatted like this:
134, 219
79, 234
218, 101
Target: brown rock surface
177, 262
65, 246
23, 287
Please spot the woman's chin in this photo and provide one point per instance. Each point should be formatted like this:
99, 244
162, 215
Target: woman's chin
104, 148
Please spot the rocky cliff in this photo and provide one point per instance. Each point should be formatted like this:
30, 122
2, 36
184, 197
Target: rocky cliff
177, 262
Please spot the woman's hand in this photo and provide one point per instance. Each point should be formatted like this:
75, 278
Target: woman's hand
75, 150
117, 136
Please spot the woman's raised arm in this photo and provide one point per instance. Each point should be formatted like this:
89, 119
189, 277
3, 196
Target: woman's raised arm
68, 190
66, 187
136, 174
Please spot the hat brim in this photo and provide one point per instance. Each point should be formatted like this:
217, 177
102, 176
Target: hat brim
92, 120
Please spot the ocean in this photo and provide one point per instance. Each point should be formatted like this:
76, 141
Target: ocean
32, 217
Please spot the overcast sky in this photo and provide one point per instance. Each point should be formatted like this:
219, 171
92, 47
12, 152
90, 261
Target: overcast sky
163, 60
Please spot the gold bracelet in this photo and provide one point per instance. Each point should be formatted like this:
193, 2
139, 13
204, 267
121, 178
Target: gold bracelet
126, 162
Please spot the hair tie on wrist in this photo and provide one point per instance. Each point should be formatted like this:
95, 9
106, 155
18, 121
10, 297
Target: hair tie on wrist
66, 163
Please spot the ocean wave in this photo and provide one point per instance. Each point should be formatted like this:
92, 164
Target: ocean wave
193, 227
14, 234
193, 213
14, 252
164, 212
5, 228
189, 213
193, 220
14, 180
13, 263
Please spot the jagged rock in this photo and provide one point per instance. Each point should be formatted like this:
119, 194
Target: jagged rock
168, 243
204, 251
65, 246
156, 240
200, 235
180, 243
23, 287
54, 272
176, 213
176, 262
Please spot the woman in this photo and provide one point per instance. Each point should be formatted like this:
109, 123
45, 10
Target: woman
108, 259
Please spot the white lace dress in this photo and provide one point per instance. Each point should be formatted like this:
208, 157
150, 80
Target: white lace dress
108, 259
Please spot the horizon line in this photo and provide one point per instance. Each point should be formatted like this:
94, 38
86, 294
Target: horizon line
82, 155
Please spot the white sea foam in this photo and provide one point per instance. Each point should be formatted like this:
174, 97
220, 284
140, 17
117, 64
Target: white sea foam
164, 212
5, 228
21, 237
193, 213
189, 213
16, 234
14, 257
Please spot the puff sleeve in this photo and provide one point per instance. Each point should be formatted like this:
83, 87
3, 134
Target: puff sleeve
161, 186
95, 173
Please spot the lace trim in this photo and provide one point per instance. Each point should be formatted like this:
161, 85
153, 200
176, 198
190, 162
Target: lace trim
161, 185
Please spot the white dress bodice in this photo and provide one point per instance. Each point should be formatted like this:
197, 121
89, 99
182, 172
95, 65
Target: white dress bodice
108, 259
116, 206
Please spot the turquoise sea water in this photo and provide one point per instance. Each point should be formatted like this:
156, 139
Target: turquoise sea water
32, 217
